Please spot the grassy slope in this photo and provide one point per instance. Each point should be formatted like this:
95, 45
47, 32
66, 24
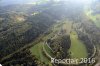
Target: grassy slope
77, 49
48, 50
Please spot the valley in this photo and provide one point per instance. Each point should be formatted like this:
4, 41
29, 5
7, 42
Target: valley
32, 34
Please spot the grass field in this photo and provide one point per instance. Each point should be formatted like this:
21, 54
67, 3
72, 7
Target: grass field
93, 17
77, 49
38, 52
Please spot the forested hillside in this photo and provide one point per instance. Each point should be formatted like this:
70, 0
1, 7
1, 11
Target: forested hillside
17, 30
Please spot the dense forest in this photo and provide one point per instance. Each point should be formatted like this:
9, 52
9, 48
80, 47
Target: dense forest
16, 30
